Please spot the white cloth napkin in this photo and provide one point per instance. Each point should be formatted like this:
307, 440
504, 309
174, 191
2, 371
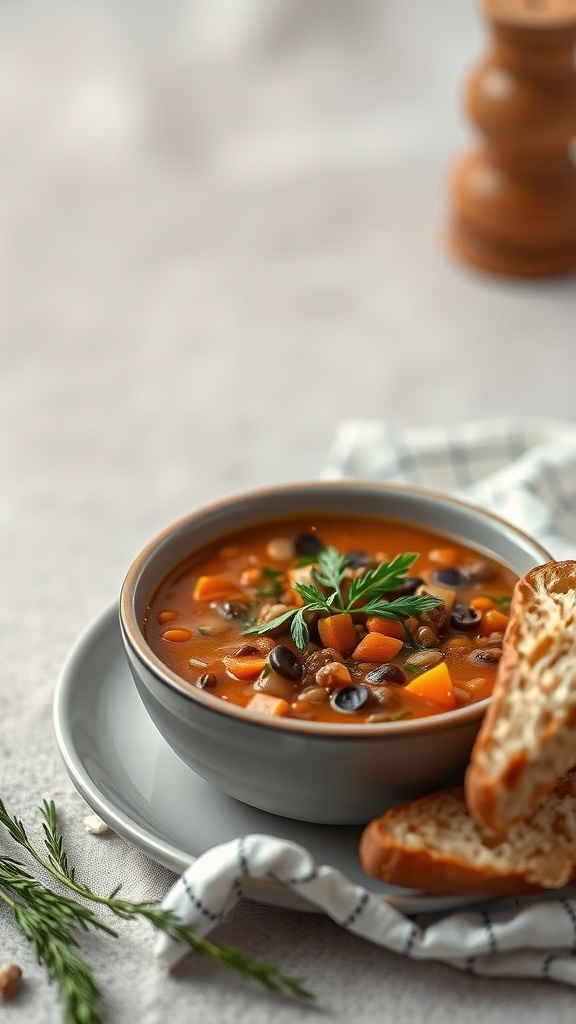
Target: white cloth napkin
526, 471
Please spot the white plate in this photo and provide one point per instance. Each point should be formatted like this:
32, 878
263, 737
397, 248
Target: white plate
126, 771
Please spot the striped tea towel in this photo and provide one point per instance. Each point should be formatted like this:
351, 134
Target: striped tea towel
522, 469
526, 471
533, 937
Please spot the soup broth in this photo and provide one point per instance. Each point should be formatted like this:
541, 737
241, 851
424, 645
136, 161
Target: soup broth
329, 619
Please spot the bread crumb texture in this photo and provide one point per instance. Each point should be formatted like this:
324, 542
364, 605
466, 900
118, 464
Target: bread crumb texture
528, 740
437, 836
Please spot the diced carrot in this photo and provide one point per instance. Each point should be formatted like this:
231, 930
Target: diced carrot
247, 666
435, 686
387, 627
210, 588
493, 621
338, 631
263, 644
268, 705
482, 604
376, 647
447, 557
177, 635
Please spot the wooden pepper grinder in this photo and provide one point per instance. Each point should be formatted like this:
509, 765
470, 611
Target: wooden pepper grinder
514, 200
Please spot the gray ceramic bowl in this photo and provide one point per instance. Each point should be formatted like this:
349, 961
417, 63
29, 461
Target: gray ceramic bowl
311, 771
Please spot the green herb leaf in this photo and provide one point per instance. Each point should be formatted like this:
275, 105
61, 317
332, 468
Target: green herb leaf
312, 596
300, 631
386, 576
331, 570
369, 589
265, 627
271, 582
402, 607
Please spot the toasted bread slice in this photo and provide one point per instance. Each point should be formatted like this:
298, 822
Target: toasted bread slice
434, 844
528, 738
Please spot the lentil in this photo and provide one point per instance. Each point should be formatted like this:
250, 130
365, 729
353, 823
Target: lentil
424, 659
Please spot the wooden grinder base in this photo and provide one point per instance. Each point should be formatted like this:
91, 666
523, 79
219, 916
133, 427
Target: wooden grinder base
514, 199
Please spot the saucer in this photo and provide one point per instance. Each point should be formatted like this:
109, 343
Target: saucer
129, 775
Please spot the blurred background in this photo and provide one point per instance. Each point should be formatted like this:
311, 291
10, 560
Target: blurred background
223, 230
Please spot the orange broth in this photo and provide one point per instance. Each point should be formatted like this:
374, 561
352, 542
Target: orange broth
192, 636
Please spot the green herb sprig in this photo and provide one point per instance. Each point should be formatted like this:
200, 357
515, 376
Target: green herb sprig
52, 922
271, 583
365, 594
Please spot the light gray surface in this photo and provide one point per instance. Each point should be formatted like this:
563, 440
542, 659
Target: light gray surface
222, 231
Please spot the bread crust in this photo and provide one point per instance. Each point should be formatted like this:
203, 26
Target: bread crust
397, 849
498, 797
383, 857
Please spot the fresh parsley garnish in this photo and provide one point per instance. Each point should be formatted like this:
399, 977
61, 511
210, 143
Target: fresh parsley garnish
365, 594
271, 583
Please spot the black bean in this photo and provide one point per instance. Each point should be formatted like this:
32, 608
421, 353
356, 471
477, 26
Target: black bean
485, 655
207, 681
285, 662
448, 577
464, 617
409, 585
233, 610
359, 559
307, 544
245, 651
386, 673
350, 699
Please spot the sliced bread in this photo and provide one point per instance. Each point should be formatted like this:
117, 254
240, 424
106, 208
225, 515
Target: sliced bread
434, 844
528, 738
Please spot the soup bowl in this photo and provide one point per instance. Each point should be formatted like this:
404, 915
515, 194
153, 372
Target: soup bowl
317, 771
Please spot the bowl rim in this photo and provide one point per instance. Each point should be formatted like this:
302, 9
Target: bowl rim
134, 638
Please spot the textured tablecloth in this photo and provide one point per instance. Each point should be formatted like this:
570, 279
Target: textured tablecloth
223, 232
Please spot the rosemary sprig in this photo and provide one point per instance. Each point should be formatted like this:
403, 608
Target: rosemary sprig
163, 920
50, 922
366, 595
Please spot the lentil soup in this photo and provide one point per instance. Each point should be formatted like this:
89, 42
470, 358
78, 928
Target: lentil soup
335, 620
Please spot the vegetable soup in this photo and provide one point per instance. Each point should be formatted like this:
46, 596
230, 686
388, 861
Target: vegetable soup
335, 619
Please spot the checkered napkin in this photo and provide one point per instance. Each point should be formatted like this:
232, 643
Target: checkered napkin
526, 471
